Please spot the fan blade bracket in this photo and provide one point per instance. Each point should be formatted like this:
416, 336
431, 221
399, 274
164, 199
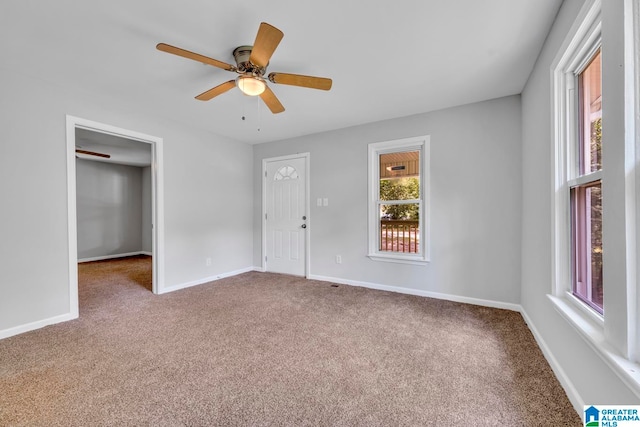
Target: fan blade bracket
311, 82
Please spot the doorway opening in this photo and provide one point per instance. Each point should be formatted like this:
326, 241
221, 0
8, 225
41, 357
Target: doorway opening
115, 207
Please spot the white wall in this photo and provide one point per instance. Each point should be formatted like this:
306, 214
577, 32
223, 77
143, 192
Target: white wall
475, 201
207, 195
593, 381
146, 237
109, 208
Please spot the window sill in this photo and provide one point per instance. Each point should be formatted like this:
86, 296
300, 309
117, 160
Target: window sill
399, 259
592, 331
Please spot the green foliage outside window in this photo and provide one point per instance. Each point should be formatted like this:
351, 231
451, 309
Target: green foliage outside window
400, 189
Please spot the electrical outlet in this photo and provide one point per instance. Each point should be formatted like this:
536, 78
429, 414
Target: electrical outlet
208, 262
338, 259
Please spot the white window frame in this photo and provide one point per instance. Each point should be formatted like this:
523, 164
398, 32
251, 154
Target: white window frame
574, 57
632, 121
419, 143
582, 42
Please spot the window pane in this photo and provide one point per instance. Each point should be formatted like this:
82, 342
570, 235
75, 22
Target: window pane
591, 116
286, 172
400, 228
587, 247
400, 176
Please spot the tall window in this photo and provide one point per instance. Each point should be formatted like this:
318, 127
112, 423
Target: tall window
397, 210
594, 288
578, 249
585, 186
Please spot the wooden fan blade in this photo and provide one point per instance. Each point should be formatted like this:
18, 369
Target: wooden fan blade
195, 56
300, 80
272, 101
218, 90
267, 41
93, 153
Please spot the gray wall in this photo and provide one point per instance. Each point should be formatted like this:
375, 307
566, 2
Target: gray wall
475, 201
147, 239
108, 208
198, 192
581, 365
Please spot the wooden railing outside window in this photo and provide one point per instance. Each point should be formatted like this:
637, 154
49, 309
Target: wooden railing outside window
399, 236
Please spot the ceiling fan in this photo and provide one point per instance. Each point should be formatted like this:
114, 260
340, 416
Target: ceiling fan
251, 65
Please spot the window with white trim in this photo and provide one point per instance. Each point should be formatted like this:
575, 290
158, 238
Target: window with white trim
578, 169
603, 308
398, 200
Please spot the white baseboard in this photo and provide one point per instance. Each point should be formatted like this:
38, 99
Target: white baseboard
105, 257
148, 253
572, 393
6, 333
418, 292
258, 269
204, 280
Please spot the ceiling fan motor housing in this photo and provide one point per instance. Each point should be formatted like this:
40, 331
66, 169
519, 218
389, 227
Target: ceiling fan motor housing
241, 55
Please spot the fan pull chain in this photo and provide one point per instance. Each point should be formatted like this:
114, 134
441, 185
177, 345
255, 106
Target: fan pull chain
259, 113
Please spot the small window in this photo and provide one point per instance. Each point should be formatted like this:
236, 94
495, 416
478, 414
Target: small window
397, 210
285, 172
585, 189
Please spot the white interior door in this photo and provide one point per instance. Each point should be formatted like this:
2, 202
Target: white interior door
285, 215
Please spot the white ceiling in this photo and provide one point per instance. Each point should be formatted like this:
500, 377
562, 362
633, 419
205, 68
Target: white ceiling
386, 58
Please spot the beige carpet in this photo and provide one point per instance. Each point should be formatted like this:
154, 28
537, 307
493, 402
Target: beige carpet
263, 349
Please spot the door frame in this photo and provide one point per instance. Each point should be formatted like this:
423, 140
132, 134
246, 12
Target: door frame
157, 201
307, 206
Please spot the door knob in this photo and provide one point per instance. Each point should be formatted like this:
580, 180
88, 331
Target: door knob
304, 225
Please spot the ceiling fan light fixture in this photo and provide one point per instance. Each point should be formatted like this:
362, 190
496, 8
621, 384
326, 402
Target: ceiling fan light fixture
251, 85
